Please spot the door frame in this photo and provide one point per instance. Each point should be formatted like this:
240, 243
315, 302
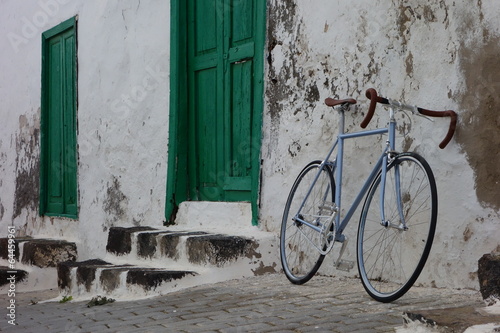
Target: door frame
177, 167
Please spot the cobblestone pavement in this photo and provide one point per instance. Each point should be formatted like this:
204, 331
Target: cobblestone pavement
266, 303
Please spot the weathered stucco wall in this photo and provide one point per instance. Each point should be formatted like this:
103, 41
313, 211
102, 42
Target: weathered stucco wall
438, 54
122, 116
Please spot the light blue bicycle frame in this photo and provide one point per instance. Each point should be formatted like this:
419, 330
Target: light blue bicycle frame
337, 165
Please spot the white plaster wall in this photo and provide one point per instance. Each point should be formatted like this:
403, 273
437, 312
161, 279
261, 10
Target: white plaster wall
122, 114
316, 49
407, 50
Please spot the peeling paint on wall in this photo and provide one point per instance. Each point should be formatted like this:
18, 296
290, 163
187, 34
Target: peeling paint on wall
27, 140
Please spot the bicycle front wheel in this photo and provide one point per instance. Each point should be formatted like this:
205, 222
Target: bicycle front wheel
391, 254
299, 256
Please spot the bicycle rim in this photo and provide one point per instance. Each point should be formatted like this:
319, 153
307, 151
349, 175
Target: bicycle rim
299, 258
391, 259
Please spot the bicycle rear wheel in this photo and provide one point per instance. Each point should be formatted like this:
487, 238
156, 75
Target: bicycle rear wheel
390, 258
299, 257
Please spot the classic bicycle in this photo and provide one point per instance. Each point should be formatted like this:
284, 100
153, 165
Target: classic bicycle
397, 221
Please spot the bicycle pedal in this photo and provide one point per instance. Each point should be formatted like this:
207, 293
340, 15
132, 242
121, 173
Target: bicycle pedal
345, 265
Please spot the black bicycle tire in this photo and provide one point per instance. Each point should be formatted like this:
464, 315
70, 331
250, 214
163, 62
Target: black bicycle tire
392, 296
288, 272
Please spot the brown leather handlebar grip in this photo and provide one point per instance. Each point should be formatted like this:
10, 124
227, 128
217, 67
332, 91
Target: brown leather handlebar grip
371, 94
453, 123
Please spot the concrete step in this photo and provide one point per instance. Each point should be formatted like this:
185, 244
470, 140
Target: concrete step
189, 247
9, 276
34, 261
144, 261
98, 277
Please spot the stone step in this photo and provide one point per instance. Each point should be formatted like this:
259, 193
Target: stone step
190, 247
35, 260
98, 277
144, 261
9, 276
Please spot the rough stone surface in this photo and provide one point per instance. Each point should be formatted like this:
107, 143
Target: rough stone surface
170, 242
4, 247
216, 249
110, 278
152, 278
48, 252
120, 241
452, 320
64, 271
489, 275
146, 244
20, 275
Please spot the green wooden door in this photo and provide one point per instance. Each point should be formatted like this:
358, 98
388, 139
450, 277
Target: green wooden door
59, 160
224, 89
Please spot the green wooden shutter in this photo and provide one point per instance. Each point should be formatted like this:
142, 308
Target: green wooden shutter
59, 156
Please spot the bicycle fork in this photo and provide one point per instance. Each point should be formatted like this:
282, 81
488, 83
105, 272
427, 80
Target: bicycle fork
388, 159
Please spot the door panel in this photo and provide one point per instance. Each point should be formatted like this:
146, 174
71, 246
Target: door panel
221, 48
59, 160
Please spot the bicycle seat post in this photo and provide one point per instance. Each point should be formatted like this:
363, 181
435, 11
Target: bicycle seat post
342, 109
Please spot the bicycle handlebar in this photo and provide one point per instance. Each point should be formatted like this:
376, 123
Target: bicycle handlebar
371, 94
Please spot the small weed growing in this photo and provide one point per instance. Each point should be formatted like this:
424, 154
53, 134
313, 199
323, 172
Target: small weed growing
66, 299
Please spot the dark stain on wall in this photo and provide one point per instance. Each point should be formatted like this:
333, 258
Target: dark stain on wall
479, 129
290, 86
26, 195
281, 16
115, 202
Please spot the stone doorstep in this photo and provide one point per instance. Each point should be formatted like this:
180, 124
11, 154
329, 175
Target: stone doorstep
453, 320
6, 273
109, 278
202, 248
40, 252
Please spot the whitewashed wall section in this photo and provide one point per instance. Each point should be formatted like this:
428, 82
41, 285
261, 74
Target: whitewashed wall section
437, 54
123, 66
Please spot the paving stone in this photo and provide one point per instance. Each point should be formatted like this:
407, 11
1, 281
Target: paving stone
259, 304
